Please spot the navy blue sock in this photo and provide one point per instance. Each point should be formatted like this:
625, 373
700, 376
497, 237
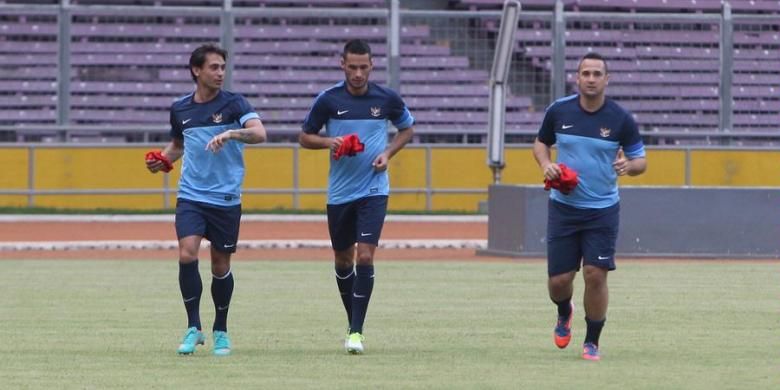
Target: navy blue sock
191, 289
594, 330
345, 277
361, 294
221, 292
564, 307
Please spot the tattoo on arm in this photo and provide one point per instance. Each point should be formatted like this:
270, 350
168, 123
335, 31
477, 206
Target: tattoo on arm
244, 135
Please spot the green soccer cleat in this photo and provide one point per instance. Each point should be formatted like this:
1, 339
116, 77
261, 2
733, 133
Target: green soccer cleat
355, 343
221, 343
192, 337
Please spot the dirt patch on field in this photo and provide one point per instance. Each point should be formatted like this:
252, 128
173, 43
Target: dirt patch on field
94, 231
87, 231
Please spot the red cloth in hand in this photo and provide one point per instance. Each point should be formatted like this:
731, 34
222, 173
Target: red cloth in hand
350, 146
565, 183
156, 155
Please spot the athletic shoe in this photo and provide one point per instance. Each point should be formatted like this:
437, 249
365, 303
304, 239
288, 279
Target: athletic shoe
221, 343
192, 337
562, 332
355, 343
590, 351
346, 338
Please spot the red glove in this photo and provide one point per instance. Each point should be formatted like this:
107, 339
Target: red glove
350, 146
566, 183
156, 155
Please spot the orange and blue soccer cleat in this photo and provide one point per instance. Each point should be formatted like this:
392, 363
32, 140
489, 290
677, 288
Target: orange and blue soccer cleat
562, 332
590, 351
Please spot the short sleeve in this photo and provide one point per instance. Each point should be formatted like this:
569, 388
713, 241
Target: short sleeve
245, 110
176, 127
399, 114
630, 139
547, 129
318, 115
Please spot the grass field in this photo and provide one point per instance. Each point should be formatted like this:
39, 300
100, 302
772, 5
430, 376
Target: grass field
111, 324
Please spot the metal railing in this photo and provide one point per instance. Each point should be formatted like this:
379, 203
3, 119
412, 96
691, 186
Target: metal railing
466, 36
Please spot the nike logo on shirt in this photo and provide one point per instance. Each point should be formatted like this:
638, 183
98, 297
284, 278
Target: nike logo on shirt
339, 112
567, 127
184, 122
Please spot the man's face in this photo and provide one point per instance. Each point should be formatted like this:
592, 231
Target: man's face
212, 74
592, 78
356, 69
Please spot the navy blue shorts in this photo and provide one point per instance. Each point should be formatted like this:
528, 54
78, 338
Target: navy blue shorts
580, 235
358, 221
218, 224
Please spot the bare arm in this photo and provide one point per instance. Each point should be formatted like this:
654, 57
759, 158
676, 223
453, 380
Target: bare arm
253, 132
543, 157
399, 141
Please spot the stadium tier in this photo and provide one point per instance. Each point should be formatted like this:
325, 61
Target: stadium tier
756, 6
127, 69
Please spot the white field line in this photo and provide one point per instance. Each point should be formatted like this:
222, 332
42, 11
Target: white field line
245, 217
247, 244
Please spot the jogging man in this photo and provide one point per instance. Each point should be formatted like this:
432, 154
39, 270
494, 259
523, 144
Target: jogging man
209, 127
355, 113
600, 141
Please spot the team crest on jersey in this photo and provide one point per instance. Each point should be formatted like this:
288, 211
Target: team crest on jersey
605, 132
376, 112
217, 117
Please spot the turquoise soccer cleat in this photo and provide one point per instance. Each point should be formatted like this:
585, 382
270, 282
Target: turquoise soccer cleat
192, 337
221, 343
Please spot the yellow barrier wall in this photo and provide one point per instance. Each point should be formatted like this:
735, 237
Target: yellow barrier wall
14, 176
454, 168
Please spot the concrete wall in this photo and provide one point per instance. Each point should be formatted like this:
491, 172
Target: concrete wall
663, 222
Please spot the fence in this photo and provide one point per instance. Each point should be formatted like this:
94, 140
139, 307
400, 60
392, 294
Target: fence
690, 78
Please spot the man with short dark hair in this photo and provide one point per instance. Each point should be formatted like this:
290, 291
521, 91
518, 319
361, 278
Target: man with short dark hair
355, 113
598, 140
209, 127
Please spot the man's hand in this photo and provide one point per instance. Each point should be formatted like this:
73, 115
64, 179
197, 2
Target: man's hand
620, 165
335, 144
156, 161
380, 162
551, 171
219, 140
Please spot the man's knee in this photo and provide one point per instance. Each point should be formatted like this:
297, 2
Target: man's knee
561, 281
594, 276
345, 258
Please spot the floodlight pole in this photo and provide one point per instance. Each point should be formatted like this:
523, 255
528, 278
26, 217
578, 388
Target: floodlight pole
394, 46
63, 63
227, 24
726, 117
498, 79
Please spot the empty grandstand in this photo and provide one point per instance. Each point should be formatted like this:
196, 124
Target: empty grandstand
121, 66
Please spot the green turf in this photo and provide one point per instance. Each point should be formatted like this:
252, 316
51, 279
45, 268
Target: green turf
116, 324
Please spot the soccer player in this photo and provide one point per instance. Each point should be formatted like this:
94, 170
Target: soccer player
209, 128
358, 185
600, 141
